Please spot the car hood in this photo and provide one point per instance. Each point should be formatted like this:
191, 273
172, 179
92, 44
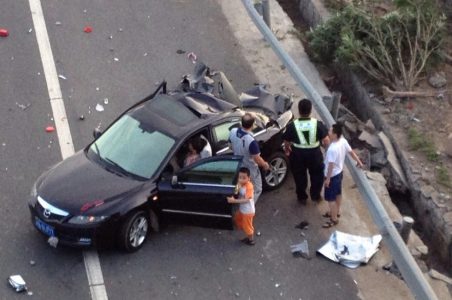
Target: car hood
77, 181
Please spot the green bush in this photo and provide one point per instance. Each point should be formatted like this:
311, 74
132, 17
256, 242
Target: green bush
394, 48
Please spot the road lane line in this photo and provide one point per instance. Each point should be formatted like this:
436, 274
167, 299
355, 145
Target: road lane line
91, 258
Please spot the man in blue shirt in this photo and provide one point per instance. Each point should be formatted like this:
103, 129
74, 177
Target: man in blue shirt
244, 144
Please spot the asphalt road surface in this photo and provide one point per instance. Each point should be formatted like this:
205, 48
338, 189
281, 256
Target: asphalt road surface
180, 262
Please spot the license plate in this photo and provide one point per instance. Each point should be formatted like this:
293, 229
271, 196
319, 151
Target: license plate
44, 227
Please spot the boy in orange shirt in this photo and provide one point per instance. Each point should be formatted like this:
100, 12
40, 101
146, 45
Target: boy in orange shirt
244, 216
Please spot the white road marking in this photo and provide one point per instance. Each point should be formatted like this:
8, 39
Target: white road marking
91, 258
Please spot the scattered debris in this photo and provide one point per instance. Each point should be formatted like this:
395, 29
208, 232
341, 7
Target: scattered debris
277, 285
85, 11
30, 30
180, 51
62, 77
370, 139
53, 241
18, 283
258, 233
172, 277
120, 30
350, 250
204, 240
275, 212
302, 225
302, 234
23, 106
300, 250
50, 129
99, 107
32, 263
97, 88
81, 118
145, 54
88, 29
110, 37
192, 56
29, 293
116, 59
58, 23
4, 32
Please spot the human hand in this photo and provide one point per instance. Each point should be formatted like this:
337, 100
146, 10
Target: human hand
327, 182
359, 164
266, 166
230, 199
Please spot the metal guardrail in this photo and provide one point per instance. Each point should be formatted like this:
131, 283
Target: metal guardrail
399, 251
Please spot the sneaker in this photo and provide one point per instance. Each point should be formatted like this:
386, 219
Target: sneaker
248, 242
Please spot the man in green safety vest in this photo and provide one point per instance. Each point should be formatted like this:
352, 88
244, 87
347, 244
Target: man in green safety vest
302, 140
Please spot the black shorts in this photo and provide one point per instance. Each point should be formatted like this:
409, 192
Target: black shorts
335, 188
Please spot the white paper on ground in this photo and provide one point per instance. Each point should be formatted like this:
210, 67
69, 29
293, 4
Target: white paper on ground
350, 250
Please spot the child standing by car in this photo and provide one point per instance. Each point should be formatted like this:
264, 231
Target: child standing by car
245, 214
334, 164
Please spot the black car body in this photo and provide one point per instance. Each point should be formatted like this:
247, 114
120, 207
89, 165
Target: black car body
130, 177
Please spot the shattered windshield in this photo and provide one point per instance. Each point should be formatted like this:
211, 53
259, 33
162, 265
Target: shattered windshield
131, 148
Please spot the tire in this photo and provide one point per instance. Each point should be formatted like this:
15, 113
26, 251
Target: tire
280, 163
134, 231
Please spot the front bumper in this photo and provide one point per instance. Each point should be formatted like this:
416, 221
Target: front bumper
73, 235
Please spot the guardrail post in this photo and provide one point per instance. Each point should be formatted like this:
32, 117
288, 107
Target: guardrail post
407, 224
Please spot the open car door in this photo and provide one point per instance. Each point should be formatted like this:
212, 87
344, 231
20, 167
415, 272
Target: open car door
196, 195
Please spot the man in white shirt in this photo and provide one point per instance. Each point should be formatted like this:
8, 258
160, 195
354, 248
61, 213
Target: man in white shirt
334, 164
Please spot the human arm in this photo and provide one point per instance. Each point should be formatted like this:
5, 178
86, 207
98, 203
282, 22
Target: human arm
287, 147
359, 163
261, 162
249, 193
232, 200
328, 174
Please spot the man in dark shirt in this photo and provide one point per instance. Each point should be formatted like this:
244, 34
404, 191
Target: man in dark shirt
302, 140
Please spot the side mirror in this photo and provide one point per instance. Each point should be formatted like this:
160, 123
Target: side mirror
96, 132
174, 180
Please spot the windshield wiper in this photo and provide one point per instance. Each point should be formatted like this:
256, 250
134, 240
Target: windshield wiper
115, 164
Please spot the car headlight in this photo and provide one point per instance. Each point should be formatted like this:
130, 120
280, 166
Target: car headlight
82, 220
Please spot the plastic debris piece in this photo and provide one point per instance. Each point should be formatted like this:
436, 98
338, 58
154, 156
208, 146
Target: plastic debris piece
39, 73
30, 30
276, 212
62, 77
97, 88
81, 118
88, 29
172, 277
192, 56
277, 285
180, 51
116, 59
145, 54
53, 241
23, 106
58, 23
302, 234
99, 107
120, 30
4, 32
85, 11
32, 263
30, 293
204, 240
300, 250
258, 233
110, 37
106, 101
18, 283
302, 225
50, 129
3, 144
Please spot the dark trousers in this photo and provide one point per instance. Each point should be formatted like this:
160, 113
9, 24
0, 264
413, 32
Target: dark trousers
302, 161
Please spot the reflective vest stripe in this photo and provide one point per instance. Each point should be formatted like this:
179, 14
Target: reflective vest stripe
309, 128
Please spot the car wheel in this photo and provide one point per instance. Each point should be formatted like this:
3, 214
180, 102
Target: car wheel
274, 178
134, 231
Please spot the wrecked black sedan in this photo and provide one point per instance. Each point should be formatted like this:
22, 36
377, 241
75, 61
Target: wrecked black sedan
134, 174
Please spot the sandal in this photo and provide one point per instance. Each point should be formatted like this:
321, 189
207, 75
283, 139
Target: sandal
248, 241
330, 224
327, 215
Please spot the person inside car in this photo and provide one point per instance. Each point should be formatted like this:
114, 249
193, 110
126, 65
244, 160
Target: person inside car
195, 147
